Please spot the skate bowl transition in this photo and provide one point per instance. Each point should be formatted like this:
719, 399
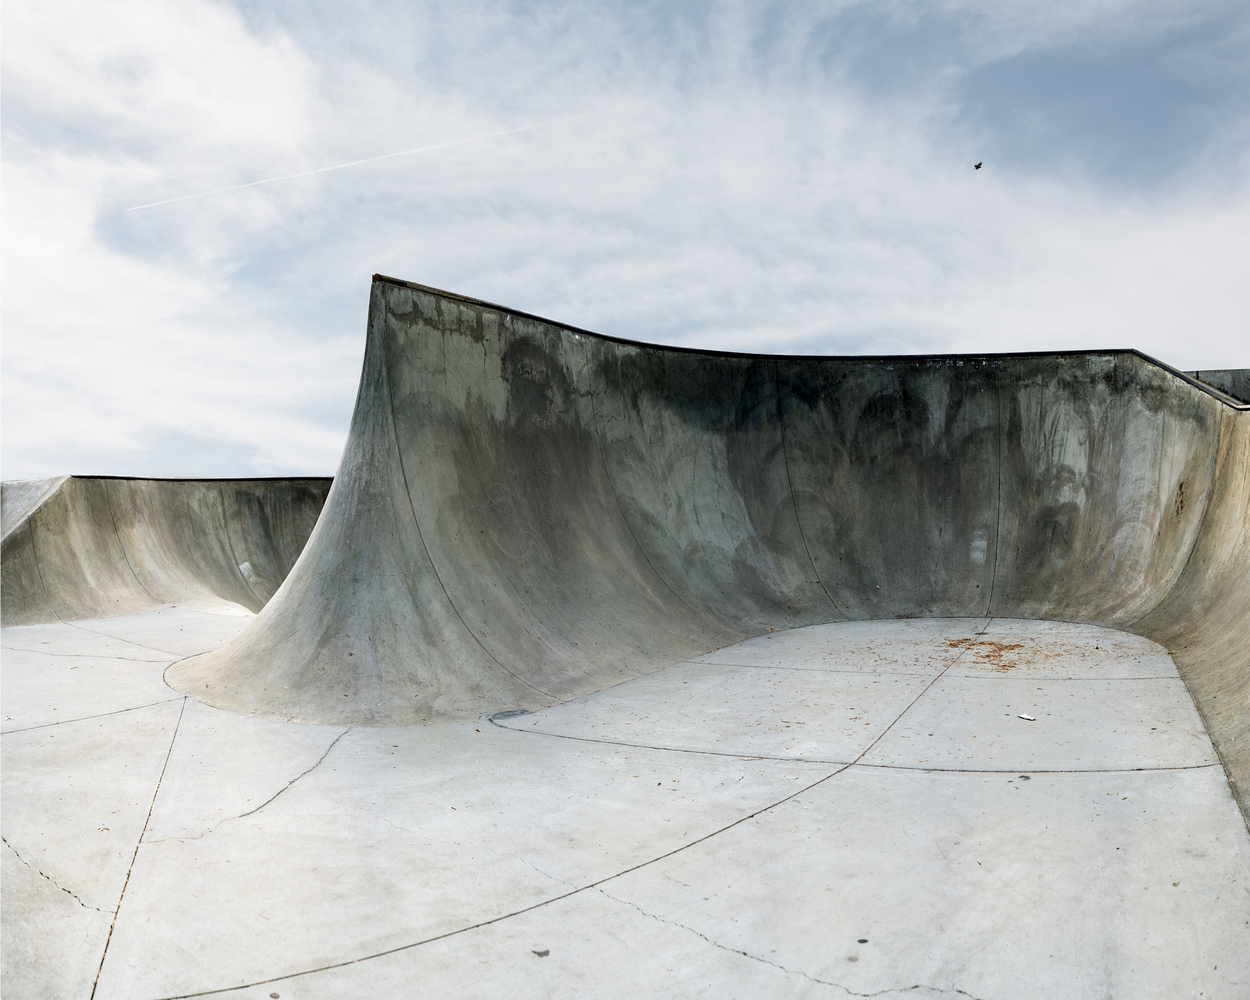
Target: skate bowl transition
85, 547
527, 513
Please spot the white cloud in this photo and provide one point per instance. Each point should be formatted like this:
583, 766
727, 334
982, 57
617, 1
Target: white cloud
764, 197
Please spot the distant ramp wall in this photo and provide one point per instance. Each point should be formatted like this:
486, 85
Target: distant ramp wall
83, 547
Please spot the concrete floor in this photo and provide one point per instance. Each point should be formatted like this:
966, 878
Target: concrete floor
842, 810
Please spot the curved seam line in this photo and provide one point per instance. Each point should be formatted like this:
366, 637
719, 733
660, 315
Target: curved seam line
794, 503
234, 556
607, 473
856, 763
34, 548
998, 513
573, 891
108, 497
390, 398
1202, 523
997, 675
1215, 464
579, 889
855, 621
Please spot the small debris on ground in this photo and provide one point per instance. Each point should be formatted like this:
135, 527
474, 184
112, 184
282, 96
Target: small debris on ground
544, 953
1026, 718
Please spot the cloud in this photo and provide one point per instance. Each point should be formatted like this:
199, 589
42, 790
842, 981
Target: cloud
787, 179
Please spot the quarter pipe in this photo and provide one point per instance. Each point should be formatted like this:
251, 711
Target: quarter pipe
78, 547
526, 512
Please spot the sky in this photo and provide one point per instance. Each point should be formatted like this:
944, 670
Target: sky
791, 178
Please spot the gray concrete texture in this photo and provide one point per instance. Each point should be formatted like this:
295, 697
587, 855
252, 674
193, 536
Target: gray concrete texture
1234, 382
856, 808
743, 677
526, 513
79, 547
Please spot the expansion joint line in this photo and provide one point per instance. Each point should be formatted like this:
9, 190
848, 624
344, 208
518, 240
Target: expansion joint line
1202, 524
998, 494
412, 508
88, 718
34, 548
794, 501
139, 843
589, 886
108, 498
616, 499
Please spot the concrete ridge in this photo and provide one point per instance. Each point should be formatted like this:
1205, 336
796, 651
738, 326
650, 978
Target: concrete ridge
1188, 377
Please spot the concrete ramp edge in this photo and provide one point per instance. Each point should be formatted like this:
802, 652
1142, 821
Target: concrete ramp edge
97, 546
526, 512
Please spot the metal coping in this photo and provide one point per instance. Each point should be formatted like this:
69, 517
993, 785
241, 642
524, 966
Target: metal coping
1210, 390
205, 479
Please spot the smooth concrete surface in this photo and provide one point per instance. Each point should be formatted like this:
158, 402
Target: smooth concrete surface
1234, 381
527, 513
617, 670
80, 547
846, 809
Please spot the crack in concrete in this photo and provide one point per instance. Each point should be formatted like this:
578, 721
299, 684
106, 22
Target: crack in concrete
138, 843
531, 731
88, 718
592, 885
252, 812
554, 878
777, 965
118, 638
84, 656
38, 871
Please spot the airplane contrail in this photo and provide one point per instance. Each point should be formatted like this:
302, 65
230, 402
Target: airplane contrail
384, 156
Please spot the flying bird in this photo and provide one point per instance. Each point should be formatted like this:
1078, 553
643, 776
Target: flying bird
977, 166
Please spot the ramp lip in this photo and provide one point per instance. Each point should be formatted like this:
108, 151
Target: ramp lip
986, 356
34, 508
208, 479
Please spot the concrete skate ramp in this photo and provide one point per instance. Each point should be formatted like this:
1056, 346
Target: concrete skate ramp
526, 512
79, 547
1234, 382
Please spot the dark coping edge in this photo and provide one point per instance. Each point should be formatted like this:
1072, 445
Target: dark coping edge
206, 479
1210, 390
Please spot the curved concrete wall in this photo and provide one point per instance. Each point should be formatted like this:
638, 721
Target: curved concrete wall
526, 513
1234, 382
89, 547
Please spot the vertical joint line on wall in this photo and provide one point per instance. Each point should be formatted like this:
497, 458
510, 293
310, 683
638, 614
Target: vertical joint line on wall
794, 503
108, 497
607, 473
234, 556
1202, 521
34, 549
998, 498
399, 455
